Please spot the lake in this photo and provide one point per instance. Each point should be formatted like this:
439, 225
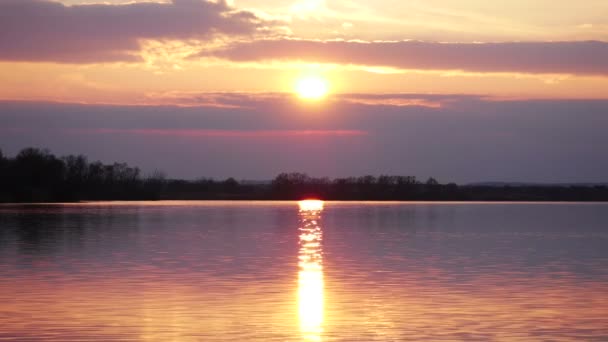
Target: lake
304, 271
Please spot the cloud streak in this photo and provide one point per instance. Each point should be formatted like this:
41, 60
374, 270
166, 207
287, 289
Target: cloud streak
206, 133
38, 30
573, 57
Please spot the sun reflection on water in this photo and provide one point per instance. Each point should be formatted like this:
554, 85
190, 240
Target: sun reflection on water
310, 275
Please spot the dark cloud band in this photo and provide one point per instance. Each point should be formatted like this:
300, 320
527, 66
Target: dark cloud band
464, 138
575, 57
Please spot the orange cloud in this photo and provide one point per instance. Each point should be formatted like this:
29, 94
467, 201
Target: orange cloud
36, 30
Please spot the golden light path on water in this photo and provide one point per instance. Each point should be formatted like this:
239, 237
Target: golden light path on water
310, 275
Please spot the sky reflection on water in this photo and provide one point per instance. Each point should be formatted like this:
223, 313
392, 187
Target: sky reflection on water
280, 271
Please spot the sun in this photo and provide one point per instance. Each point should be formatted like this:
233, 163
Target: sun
312, 87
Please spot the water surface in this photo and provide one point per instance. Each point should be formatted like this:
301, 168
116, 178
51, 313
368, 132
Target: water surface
279, 271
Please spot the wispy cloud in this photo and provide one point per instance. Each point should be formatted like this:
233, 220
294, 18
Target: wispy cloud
253, 100
569, 57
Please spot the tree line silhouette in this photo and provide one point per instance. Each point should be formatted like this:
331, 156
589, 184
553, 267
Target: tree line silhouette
36, 175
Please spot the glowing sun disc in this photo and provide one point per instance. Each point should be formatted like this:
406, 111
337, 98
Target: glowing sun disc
312, 87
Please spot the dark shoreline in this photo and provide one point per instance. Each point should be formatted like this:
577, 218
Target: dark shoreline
270, 193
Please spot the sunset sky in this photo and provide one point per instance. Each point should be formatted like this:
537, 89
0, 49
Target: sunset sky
464, 91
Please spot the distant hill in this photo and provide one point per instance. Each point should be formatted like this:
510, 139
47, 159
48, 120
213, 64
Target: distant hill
255, 182
524, 184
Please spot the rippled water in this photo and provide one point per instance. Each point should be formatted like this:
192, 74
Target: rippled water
280, 271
